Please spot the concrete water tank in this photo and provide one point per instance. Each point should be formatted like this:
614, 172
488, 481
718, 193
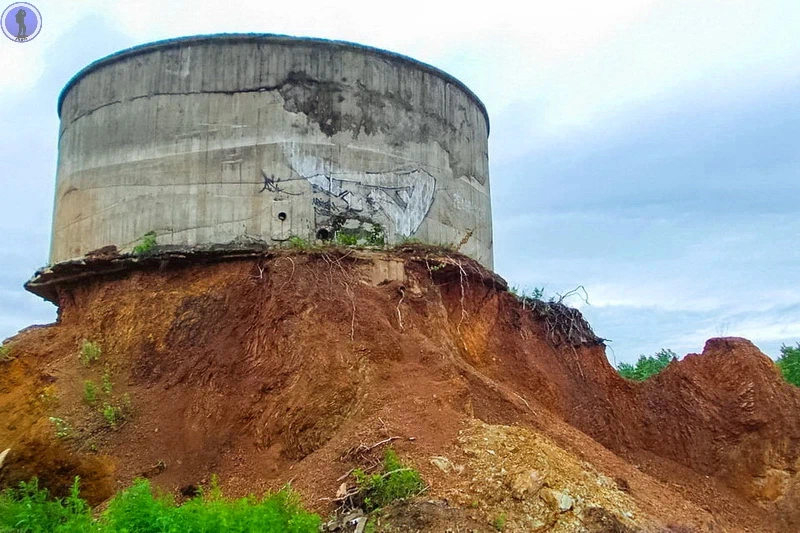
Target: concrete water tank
213, 139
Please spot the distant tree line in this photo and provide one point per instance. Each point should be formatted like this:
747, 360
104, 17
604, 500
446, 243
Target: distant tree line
789, 363
650, 365
647, 365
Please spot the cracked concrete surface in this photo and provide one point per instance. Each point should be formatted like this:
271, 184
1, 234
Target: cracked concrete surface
189, 138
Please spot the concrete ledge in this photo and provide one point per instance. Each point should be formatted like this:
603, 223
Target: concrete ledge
108, 263
265, 38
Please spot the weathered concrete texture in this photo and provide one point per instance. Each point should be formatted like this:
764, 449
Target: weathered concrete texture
207, 140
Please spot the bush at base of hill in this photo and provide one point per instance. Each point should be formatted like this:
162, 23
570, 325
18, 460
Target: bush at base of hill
28, 509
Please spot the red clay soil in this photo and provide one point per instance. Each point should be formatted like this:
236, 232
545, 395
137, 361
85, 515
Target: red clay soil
265, 371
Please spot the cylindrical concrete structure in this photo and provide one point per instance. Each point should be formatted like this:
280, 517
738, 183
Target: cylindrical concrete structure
213, 139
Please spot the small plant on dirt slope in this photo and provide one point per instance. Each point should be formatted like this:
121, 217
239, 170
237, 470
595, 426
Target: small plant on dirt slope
147, 244
395, 482
5, 353
789, 363
62, 428
90, 352
647, 365
29, 510
499, 523
89, 392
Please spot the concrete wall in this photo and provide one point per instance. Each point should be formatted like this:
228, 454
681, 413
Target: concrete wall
211, 139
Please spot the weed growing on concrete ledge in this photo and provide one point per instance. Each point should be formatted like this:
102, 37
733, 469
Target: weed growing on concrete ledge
346, 239
90, 352
147, 244
298, 243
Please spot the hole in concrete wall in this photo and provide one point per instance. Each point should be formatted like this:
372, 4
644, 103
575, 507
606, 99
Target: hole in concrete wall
281, 216
323, 234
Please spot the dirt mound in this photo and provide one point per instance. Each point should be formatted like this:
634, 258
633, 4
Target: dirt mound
281, 367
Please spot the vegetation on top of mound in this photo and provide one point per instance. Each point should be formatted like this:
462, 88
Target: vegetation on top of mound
647, 365
396, 481
28, 509
537, 293
789, 364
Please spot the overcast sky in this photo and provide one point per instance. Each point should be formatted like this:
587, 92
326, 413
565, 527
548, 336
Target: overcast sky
647, 150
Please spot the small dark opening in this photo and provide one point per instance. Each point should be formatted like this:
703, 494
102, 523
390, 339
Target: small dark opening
323, 234
281, 216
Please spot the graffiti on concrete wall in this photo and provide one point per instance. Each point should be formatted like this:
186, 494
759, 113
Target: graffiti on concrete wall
399, 197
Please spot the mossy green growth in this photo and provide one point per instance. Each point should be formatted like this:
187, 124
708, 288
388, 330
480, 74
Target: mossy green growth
28, 509
394, 482
5, 353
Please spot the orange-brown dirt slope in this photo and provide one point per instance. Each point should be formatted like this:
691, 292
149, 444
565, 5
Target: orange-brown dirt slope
300, 366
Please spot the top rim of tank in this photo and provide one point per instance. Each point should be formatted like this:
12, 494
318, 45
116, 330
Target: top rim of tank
264, 37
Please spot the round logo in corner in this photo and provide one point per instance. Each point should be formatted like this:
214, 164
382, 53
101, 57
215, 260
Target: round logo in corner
21, 22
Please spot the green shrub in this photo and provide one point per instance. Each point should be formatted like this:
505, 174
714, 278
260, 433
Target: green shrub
396, 481
113, 414
137, 510
89, 392
116, 413
90, 352
5, 353
28, 509
147, 244
789, 364
647, 366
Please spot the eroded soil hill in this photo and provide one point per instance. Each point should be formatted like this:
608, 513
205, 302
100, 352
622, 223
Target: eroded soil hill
302, 366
